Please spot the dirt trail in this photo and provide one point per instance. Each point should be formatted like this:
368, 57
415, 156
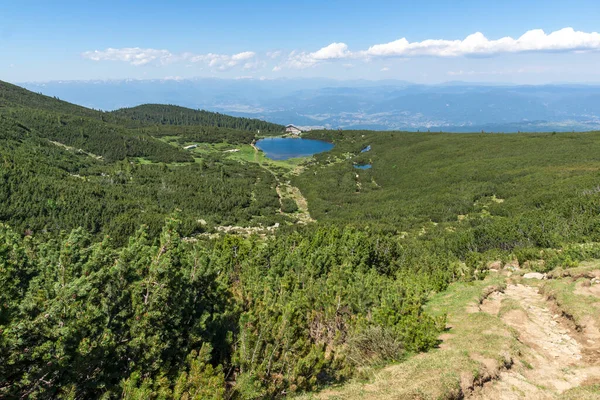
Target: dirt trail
64, 146
553, 361
286, 190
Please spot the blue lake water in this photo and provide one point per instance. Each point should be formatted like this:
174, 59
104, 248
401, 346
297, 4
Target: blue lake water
284, 148
363, 166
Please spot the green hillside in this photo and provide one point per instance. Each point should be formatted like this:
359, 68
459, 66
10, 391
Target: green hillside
12, 96
160, 114
133, 268
424, 178
64, 168
94, 131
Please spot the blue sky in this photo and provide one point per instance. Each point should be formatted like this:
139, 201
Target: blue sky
428, 42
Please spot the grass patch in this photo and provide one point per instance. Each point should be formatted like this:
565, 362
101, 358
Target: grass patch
576, 306
485, 293
585, 269
508, 305
142, 161
591, 392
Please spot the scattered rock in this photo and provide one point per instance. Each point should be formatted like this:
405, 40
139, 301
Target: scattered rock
534, 275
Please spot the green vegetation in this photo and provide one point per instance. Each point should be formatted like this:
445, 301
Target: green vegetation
82, 317
200, 134
160, 114
448, 371
96, 132
509, 191
49, 184
48, 189
118, 281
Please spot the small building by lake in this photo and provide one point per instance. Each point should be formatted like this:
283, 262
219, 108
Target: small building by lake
294, 130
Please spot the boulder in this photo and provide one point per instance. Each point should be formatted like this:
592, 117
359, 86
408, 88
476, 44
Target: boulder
534, 275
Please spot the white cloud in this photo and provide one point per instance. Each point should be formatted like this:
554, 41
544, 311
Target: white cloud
132, 55
335, 51
243, 56
138, 56
476, 44
385, 69
274, 54
223, 62
566, 39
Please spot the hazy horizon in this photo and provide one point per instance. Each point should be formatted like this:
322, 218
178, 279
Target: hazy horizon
536, 42
316, 78
355, 104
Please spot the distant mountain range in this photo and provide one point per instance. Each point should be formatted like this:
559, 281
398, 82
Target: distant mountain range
383, 105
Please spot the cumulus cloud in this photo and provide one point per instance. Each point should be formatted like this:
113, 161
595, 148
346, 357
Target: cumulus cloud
566, 39
335, 51
138, 56
476, 44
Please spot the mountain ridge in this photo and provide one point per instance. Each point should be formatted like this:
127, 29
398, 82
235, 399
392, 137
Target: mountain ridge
383, 105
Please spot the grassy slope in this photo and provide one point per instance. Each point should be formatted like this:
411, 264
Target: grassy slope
417, 177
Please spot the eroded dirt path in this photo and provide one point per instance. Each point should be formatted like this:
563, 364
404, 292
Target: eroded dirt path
286, 190
553, 359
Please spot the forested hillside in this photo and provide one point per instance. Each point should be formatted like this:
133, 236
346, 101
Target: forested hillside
160, 114
132, 268
62, 170
96, 132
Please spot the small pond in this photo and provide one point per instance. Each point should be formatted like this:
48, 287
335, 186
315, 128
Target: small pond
362, 166
284, 148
